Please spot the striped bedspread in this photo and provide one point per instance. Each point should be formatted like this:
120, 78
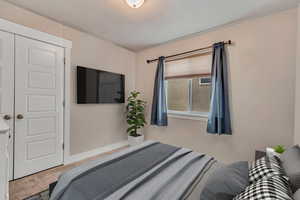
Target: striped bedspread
149, 171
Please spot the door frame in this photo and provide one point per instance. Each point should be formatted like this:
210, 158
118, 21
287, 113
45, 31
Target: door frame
23, 31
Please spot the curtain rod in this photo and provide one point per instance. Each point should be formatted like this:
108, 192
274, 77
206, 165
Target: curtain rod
229, 42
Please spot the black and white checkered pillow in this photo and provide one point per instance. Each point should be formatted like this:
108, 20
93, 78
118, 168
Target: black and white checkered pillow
275, 161
265, 168
276, 187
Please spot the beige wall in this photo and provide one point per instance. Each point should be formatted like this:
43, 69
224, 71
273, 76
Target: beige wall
262, 81
297, 95
92, 126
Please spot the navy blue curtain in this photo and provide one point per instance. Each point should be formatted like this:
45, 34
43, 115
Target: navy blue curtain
159, 115
219, 117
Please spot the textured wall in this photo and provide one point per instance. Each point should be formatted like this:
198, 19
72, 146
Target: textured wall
297, 95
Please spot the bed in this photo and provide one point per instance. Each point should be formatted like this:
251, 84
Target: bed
151, 170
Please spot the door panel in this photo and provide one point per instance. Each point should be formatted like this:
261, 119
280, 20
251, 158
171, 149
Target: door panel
38, 106
7, 88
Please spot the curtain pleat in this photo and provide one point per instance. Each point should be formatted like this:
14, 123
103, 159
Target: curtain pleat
219, 117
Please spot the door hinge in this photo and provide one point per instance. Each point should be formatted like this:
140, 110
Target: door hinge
64, 60
64, 103
63, 146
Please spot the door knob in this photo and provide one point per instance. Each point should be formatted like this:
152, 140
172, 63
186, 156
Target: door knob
20, 116
7, 117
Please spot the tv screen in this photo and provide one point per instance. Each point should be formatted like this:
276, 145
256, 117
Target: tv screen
96, 86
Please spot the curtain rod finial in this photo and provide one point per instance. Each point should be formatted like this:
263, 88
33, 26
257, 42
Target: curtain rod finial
229, 42
148, 61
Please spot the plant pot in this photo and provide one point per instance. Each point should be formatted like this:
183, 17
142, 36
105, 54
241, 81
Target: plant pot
271, 152
133, 141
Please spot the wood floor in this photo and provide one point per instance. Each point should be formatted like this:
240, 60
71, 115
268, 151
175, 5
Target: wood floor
31, 185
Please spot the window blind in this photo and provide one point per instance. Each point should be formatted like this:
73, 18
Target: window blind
189, 67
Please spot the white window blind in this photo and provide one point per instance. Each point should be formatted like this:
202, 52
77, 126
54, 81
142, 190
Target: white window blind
189, 66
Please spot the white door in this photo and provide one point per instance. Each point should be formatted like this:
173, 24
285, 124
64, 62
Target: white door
7, 87
38, 106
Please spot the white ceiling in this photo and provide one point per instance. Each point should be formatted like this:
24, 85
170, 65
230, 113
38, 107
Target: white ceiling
156, 22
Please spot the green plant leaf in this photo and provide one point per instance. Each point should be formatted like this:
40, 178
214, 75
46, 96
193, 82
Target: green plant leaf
279, 149
135, 113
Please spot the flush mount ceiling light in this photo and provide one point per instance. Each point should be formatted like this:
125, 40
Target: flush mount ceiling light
135, 3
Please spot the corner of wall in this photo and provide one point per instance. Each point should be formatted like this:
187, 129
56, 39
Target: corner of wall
297, 82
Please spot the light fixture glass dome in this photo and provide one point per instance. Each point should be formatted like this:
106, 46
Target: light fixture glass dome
135, 3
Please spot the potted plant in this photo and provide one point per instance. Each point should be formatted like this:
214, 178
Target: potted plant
280, 149
135, 118
276, 151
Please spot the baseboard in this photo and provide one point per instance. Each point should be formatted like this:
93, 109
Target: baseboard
85, 155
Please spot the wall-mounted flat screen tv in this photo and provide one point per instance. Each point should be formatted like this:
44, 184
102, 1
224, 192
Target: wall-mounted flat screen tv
96, 86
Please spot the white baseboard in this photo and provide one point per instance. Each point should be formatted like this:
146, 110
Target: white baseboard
101, 150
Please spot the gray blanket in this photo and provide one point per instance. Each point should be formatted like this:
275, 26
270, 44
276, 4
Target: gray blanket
149, 171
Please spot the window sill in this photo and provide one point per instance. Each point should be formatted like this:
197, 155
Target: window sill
188, 115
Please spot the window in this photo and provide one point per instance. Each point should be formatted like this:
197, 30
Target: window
188, 85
